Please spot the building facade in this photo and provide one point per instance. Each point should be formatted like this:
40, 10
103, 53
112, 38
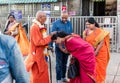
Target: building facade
74, 7
79, 10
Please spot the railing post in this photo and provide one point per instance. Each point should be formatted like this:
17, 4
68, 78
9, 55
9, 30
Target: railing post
28, 27
118, 43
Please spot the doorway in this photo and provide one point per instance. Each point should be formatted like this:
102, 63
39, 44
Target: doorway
99, 8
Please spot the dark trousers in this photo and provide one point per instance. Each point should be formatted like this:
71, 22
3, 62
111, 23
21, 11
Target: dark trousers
61, 63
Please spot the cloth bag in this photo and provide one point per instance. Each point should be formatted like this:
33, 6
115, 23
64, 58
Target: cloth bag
22, 40
73, 69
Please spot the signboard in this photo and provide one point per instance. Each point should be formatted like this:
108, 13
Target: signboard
56, 8
72, 13
64, 8
45, 6
17, 14
48, 13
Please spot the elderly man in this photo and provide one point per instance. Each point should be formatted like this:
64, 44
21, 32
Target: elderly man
61, 58
38, 44
11, 62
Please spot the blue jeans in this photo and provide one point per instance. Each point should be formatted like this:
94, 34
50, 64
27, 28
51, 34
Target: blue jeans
61, 63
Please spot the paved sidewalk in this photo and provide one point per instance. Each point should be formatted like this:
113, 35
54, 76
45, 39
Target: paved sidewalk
113, 70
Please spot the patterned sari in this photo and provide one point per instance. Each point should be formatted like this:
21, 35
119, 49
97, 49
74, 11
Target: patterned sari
103, 55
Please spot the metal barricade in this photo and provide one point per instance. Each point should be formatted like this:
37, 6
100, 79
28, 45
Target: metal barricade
109, 23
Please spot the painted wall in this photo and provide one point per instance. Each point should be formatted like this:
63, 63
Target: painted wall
74, 7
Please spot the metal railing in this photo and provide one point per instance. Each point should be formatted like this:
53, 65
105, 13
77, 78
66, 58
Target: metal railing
78, 23
109, 23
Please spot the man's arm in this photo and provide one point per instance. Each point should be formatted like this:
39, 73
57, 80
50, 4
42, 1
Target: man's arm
37, 38
17, 67
52, 30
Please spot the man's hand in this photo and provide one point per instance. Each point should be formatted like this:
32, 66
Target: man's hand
51, 49
52, 33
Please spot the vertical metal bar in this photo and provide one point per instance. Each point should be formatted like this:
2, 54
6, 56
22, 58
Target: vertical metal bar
80, 28
74, 24
81, 8
28, 26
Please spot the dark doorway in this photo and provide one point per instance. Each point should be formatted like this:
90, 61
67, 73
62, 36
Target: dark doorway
99, 8
85, 7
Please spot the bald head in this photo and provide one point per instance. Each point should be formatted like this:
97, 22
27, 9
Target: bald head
64, 13
41, 16
64, 16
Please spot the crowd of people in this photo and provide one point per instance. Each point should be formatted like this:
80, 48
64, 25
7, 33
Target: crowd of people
90, 51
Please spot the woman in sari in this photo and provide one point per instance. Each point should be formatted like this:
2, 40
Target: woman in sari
16, 30
11, 27
99, 39
82, 51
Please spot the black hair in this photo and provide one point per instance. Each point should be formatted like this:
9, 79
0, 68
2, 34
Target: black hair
60, 34
91, 20
11, 15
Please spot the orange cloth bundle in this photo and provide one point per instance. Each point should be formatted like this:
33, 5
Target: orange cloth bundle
23, 41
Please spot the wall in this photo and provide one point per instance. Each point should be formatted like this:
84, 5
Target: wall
74, 6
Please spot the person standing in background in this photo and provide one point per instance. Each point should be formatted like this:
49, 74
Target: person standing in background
9, 24
62, 24
99, 39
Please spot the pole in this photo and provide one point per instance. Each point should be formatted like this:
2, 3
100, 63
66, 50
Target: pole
9, 6
118, 18
61, 7
50, 69
67, 4
28, 27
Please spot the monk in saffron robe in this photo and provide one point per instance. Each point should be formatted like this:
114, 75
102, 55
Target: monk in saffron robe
82, 51
99, 39
38, 44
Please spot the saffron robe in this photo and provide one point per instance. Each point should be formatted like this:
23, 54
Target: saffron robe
36, 60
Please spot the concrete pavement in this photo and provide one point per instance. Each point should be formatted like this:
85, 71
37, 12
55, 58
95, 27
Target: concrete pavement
113, 70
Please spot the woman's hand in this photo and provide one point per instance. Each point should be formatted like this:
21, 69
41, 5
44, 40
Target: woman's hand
99, 47
7, 33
